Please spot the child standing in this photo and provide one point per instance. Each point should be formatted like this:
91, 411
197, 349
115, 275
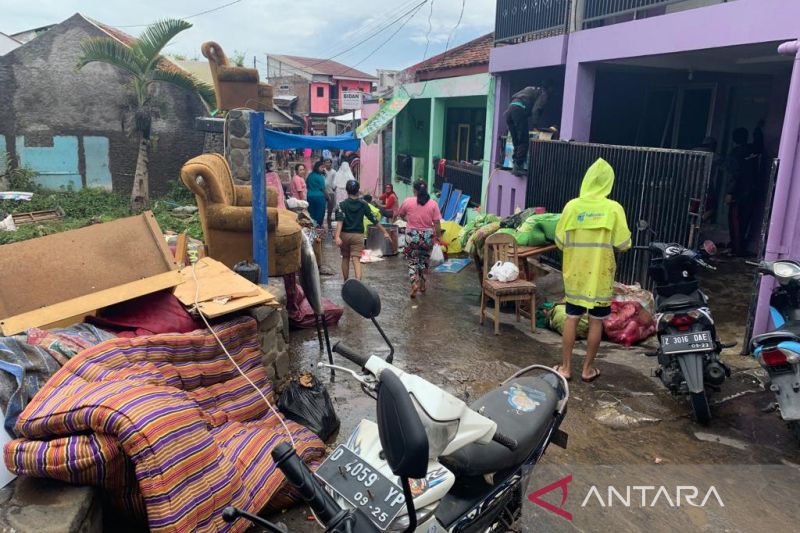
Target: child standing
350, 228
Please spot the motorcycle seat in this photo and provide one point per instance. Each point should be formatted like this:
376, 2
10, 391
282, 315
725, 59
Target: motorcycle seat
790, 331
523, 409
677, 302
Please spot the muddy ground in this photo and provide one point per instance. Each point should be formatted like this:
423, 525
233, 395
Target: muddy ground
624, 418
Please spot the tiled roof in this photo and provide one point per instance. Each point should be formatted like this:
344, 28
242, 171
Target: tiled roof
472, 53
325, 67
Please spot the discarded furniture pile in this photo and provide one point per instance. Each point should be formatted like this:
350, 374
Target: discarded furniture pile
117, 371
234, 86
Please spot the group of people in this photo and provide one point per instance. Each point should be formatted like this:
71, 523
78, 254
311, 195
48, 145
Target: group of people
423, 229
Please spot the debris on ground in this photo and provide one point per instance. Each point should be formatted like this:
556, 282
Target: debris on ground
617, 415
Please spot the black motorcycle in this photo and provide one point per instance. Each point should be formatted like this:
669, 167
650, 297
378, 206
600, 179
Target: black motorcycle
689, 350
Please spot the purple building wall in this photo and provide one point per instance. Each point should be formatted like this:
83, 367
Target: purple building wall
740, 22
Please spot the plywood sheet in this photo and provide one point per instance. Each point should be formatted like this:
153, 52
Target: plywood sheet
61, 269
221, 290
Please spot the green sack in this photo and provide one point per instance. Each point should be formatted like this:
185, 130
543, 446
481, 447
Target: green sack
559, 315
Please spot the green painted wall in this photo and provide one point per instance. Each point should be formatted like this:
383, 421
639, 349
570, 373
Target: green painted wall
419, 130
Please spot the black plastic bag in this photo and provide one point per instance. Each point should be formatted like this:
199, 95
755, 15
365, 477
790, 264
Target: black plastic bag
310, 407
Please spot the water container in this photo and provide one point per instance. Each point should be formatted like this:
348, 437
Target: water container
376, 240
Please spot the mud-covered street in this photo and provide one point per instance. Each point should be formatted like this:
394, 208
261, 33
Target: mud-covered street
624, 418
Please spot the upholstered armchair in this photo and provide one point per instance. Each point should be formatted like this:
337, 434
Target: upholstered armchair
226, 215
235, 86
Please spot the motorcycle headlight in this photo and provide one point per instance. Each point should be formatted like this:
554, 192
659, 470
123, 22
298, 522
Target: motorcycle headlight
440, 434
785, 269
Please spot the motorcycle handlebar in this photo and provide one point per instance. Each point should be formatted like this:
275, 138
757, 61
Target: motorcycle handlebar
505, 440
298, 474
350, 354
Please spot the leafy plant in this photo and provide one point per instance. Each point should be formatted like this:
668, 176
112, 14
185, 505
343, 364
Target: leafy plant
238, 58
145, 68
19, 178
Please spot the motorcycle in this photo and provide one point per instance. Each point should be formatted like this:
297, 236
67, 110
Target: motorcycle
778, 351
689, 350
430, 463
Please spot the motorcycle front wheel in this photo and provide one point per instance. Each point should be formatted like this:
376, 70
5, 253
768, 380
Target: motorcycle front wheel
700, 407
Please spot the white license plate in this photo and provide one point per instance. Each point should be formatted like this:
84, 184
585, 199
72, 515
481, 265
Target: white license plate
700, 341
362, 486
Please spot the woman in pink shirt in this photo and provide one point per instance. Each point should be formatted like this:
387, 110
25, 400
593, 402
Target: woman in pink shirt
422, 231
297, 186
274, 181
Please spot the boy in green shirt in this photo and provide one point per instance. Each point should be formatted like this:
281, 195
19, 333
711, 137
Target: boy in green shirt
350, 228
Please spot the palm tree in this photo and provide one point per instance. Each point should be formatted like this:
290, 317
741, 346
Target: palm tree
143, 63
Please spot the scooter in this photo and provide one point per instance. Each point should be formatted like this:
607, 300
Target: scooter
430, 463
778, 351
689, 350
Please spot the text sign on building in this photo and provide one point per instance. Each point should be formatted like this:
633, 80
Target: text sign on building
352, 100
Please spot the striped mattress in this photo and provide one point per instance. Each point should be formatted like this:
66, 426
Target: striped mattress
166, 425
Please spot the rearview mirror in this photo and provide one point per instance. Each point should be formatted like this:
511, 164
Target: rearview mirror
400, 429
362, 299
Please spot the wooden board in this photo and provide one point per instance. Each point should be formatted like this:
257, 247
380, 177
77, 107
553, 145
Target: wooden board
45, 280
218, 282
87, 304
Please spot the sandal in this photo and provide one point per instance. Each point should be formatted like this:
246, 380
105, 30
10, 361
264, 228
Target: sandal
593, 377
557, 368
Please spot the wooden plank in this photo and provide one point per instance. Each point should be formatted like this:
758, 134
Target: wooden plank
88, 303
215, 280
213, 309
41, 272
182, 250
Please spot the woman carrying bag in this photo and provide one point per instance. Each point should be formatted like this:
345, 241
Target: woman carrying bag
423, 231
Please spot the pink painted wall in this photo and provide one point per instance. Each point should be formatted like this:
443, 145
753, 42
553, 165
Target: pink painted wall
320, 104
352, 85
371, 159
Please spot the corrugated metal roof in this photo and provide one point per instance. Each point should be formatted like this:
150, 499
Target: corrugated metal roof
325, 67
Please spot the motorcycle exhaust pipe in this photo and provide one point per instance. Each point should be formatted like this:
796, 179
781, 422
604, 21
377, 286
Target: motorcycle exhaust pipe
715, 374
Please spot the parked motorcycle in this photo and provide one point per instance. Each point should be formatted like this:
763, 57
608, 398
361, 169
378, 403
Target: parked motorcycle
430, 463
688, 352
778, 351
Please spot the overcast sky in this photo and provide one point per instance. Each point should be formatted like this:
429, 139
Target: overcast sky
315, 28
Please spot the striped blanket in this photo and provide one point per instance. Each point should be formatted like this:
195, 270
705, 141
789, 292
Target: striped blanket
165, 424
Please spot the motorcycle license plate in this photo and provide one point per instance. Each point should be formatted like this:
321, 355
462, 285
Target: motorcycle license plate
362, 486
700, 341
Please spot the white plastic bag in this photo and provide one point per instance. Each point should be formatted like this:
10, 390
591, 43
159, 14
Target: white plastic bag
7, 224
437, 256
504, 272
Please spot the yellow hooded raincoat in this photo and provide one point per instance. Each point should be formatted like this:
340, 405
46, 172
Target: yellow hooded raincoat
590, 229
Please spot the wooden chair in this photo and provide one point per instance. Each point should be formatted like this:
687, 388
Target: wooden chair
503, 247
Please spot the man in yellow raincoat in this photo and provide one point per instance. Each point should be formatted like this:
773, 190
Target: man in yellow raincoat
591, 229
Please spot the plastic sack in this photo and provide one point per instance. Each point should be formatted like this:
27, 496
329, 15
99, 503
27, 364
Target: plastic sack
559, 315
307, 402
504, 272
629, 323
450, 232
437, 256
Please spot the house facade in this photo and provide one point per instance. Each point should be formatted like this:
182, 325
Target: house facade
322, 88
446, 111
665, 74
72, 127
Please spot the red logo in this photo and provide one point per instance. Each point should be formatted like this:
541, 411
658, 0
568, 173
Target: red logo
535, 497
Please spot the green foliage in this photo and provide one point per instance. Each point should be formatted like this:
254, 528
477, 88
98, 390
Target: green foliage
238, 58
20, 178
91, 206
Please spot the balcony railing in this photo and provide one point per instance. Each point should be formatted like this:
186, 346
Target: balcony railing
527, 20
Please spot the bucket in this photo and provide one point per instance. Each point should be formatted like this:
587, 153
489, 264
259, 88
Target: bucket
376, 240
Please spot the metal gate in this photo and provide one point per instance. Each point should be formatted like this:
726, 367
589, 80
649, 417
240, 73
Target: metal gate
664, 188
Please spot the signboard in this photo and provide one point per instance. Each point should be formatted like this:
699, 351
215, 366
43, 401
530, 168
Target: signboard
369, 129
352, 100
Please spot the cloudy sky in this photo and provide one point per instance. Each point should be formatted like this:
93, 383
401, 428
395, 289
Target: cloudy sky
316, 28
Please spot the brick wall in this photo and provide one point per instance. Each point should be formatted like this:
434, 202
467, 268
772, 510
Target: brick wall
45, 103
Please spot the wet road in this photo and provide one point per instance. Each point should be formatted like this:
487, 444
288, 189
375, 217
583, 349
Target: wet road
624, 418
